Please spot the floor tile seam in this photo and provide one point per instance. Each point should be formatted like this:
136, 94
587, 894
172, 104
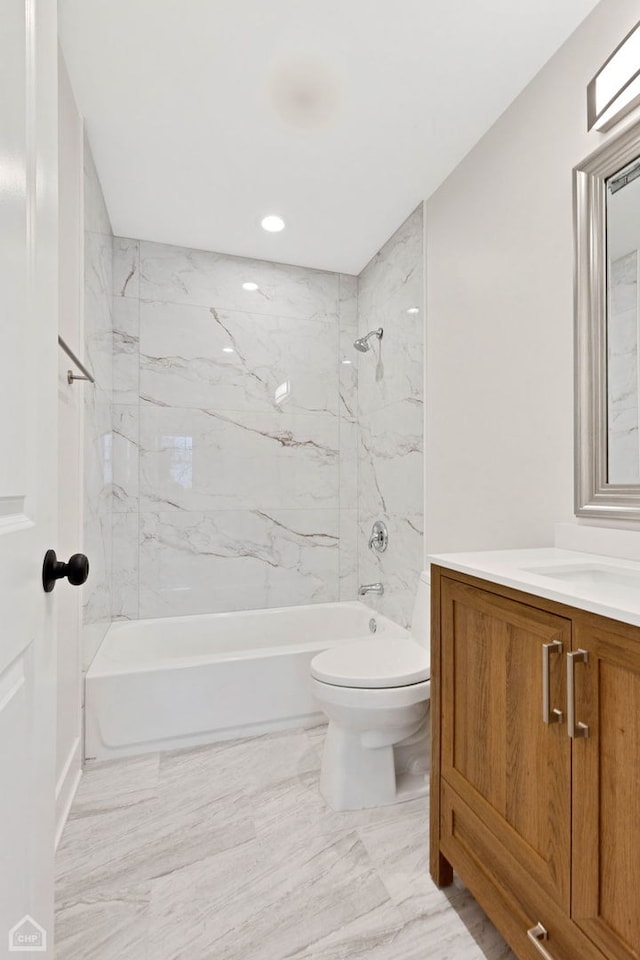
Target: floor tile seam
202, 861
88, 900
264, 874
395, 820
382, 937
79, 812
110, 873
222, 746
334, 928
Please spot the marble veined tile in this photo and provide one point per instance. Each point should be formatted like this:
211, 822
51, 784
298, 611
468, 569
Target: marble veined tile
348, 374
97, 535
398, 568
183, 874
394, 274
210, 460
348, 465
126, 350
348, 554
98, 357
135, 844
125, 565
105, 925
119, 783
198, 784
194, 356
236, 560
623, 284
182, 275
358, 937
390, 478
622, 365
418, 939
98, 316
622, 333
623, 390
248, 903
126, 267
394, 368
295, 804
125, 444
252, 764
624, 457
348, 302
400, 851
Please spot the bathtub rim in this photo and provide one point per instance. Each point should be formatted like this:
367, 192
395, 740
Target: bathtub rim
103, 666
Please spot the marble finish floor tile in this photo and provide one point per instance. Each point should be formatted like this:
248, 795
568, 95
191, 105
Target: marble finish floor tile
119, 783
105, 926
268, 899
229, 852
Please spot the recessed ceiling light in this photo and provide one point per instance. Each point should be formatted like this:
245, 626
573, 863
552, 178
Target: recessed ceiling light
273, 224
249, 285
347, 361
413, 310
228, 350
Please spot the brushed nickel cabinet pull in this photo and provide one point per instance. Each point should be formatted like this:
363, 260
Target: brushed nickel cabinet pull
537, 934
549, 715
579, 729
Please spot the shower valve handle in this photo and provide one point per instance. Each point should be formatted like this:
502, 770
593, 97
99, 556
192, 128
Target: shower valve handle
379, 537
76, 570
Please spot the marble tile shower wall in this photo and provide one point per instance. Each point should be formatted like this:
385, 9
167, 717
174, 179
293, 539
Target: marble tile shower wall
98, 324
234, 435
622, 362
391, 416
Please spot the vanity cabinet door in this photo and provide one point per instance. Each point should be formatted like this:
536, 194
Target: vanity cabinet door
510, 768
606, 790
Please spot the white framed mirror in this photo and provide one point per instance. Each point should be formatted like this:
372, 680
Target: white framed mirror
607, 330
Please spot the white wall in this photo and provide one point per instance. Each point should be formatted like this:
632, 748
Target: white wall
499, 459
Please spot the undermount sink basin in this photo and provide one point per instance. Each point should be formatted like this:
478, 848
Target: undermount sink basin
586, 575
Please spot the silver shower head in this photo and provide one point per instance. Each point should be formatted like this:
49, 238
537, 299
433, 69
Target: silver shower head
362, 343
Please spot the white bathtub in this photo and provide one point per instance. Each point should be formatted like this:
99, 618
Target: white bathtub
183, 681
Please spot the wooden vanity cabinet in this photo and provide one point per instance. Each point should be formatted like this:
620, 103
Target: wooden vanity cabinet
543, 828
606, 789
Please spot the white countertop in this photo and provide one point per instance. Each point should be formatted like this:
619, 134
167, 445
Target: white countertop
603, 585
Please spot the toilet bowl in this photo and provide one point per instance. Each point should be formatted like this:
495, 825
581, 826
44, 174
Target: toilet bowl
375, 694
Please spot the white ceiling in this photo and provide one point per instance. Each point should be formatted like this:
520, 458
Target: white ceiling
340, 115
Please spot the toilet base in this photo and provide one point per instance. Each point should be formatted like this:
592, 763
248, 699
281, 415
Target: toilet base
355, 777
410, 786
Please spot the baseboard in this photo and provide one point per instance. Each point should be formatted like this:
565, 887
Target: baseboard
67, 786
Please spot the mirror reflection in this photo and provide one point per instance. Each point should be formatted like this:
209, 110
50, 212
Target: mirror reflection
623, 325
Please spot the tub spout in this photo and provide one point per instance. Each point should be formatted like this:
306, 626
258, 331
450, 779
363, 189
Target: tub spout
371, 588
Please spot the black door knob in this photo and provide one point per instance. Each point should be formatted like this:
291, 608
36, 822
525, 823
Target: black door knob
76, 571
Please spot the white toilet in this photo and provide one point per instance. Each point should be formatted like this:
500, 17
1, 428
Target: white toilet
376, 695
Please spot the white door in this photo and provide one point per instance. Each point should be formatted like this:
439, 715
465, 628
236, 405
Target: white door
70, 443
28, 468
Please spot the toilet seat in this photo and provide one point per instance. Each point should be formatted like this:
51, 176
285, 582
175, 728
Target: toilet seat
372, 664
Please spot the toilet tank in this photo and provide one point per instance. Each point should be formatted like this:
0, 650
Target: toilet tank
421, 619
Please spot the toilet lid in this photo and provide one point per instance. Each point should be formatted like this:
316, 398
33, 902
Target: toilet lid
377, 662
